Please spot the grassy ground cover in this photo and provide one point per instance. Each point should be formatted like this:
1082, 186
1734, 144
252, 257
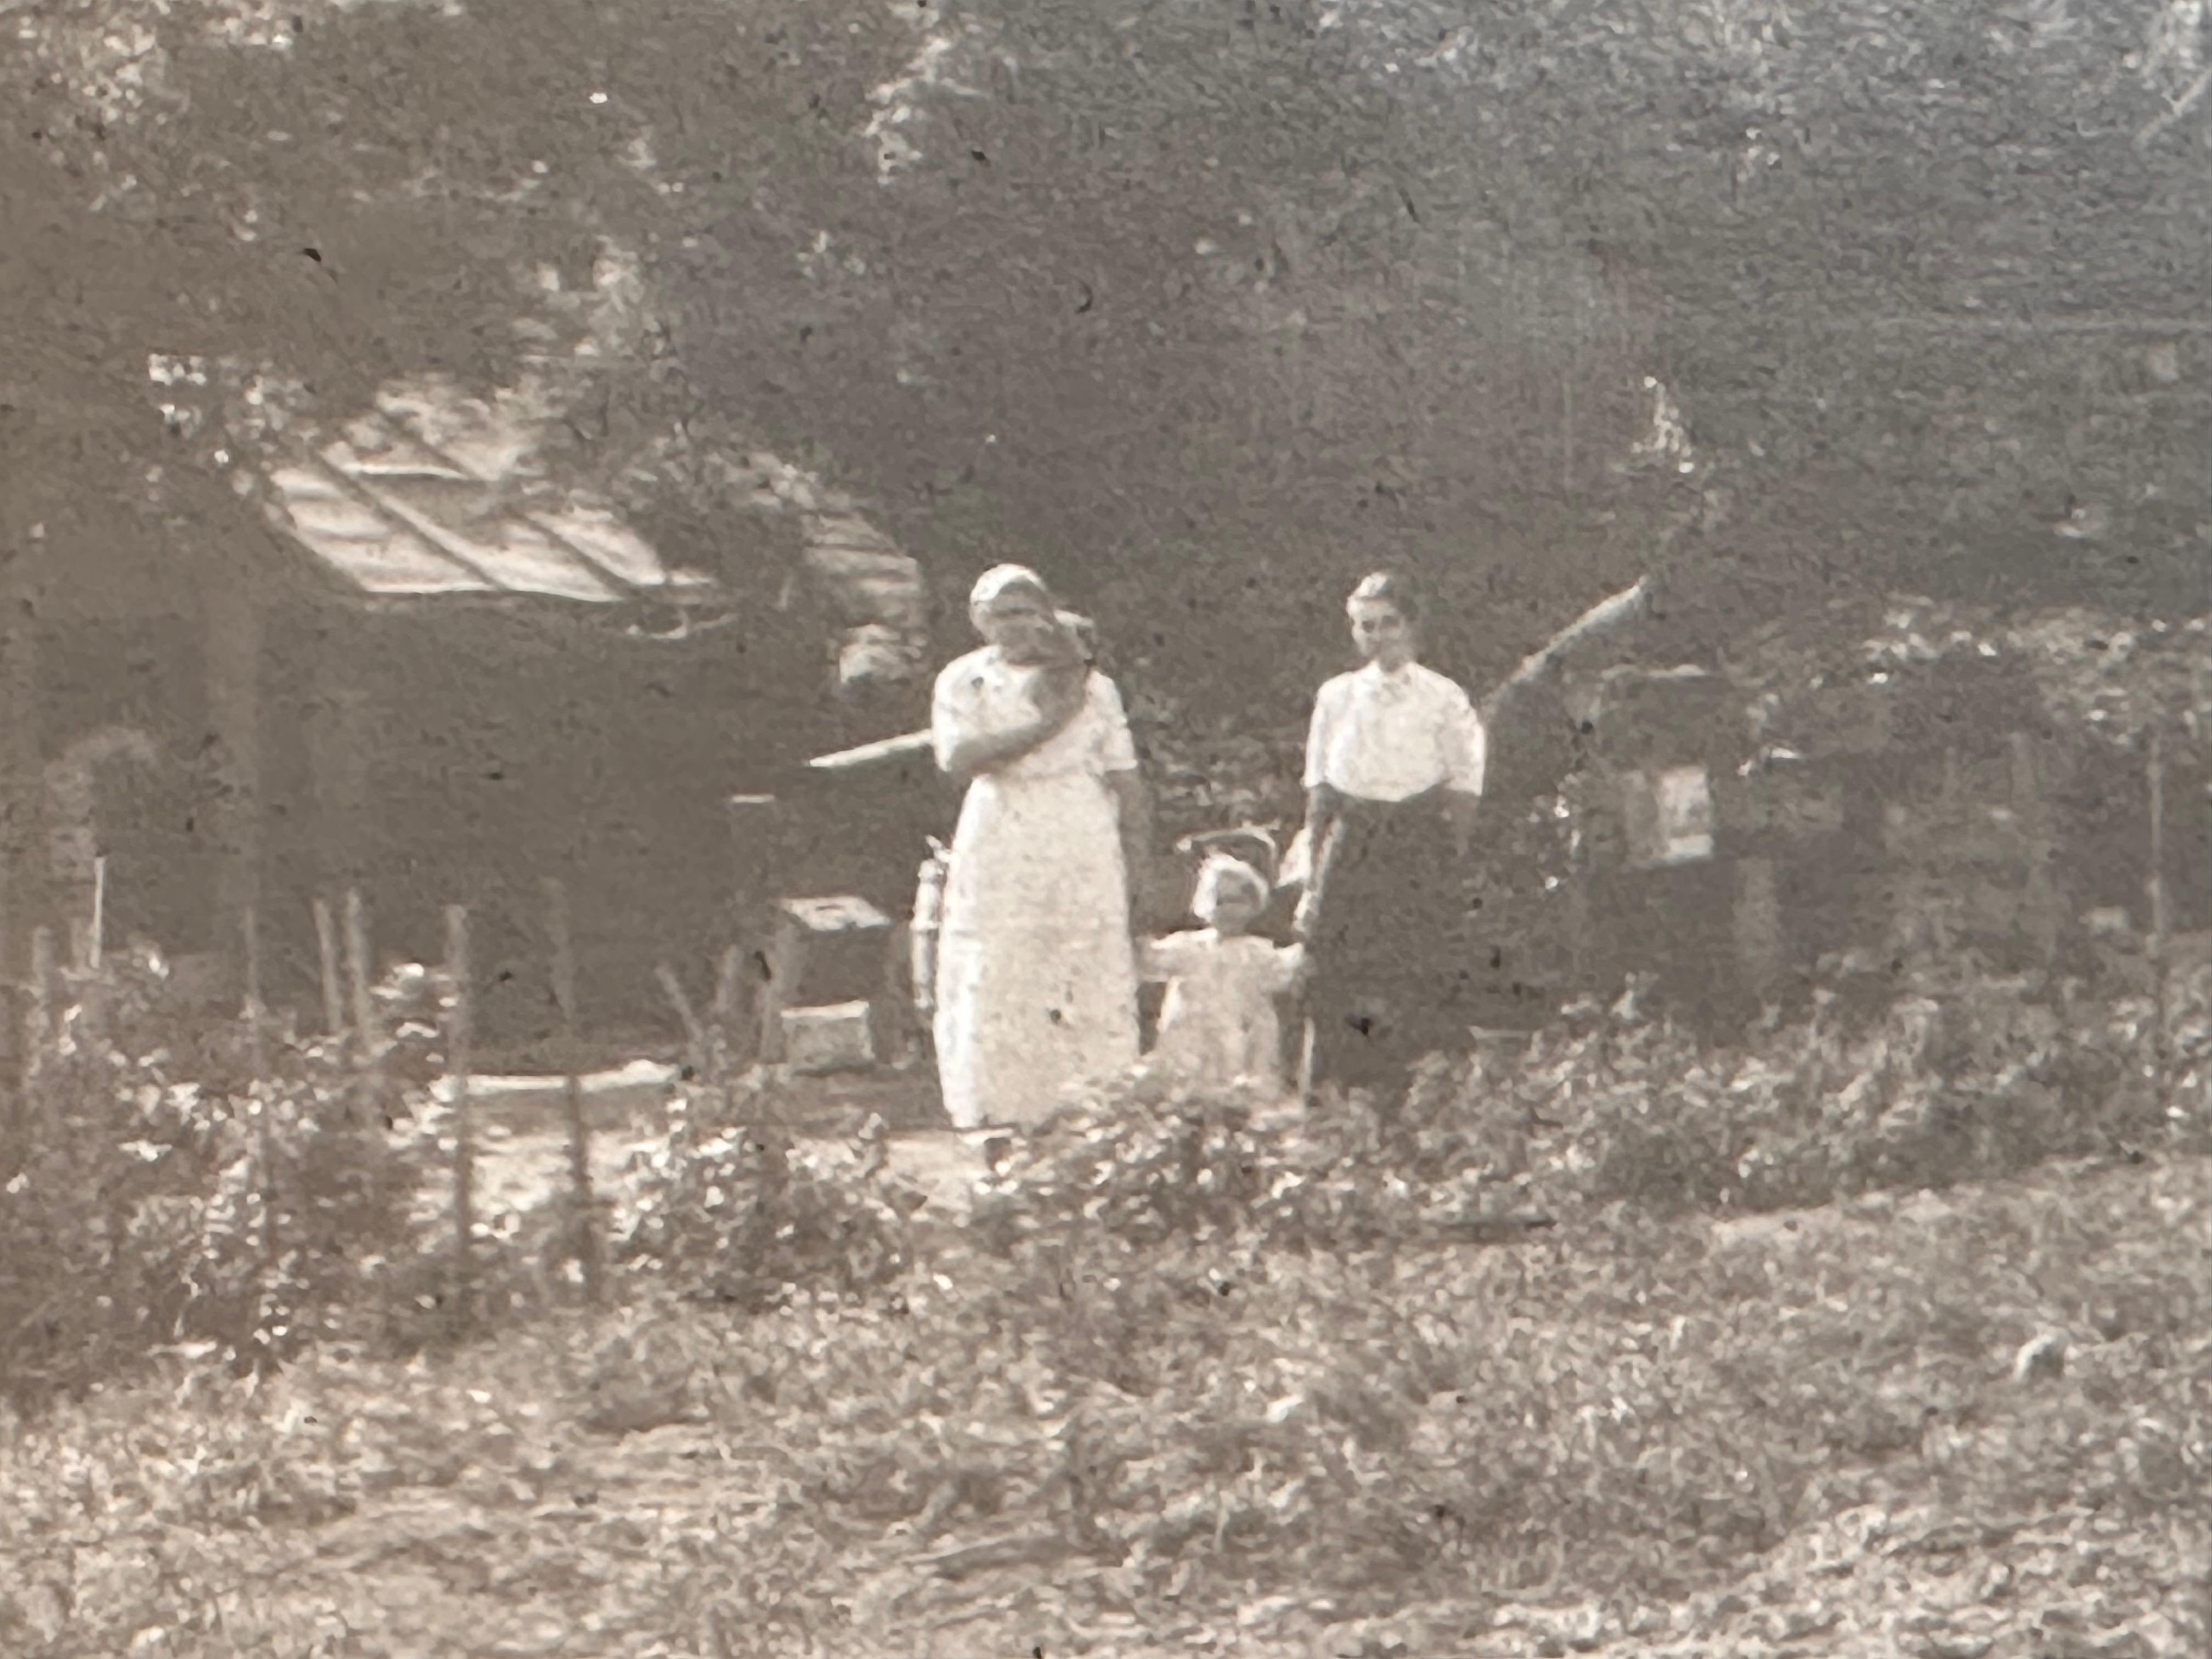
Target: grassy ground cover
1836, 1342
1805, 1431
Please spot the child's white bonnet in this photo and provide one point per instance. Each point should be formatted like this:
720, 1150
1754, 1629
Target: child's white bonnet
1218, 875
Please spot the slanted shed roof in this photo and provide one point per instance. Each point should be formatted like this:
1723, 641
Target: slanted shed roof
436, 493
395, 511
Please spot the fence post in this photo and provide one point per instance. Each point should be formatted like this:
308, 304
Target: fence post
96, 946
39, 1022
584, 1233
696, 1036
357, 958
11, 1038
754, 823
326, 948
729, 1000
251, 934
257, 1072
2161, 917
85, 942
458, 1034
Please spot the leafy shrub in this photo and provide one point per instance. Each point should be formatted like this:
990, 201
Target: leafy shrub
730, 1208
146, 1206
1148, 1161
1969, 1076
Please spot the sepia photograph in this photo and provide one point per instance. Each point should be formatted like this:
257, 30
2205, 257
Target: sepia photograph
1105, 828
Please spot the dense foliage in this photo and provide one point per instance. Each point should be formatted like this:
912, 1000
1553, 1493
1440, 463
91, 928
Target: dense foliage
1629, 1439
1192, 1367
175, 1184
160, 1194
1406, 292
1965, 1080
744, 1216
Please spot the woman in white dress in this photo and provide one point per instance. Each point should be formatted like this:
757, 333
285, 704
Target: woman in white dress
1036, 984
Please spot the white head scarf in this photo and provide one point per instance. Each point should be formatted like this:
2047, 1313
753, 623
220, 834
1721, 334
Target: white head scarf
1001, 579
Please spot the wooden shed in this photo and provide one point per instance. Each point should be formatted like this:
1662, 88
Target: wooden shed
425, 671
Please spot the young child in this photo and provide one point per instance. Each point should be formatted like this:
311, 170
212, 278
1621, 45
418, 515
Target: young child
1217, 1026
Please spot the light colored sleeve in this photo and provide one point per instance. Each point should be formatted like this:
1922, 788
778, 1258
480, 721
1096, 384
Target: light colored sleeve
1467, 746
1117, 750
954, 709
1284, 968
1319, 733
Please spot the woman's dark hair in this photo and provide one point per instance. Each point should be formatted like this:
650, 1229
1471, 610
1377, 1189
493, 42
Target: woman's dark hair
1392, 588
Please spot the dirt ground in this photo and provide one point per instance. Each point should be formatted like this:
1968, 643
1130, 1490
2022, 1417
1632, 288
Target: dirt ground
522, 1151
520, 1168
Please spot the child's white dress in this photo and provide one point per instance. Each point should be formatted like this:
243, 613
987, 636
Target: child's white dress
1219, 1026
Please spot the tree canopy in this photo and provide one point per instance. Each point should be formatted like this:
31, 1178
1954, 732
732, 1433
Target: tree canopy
1201, 306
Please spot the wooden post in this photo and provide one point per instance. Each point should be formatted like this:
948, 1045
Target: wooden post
22, 795
1567, 388
38, 1019
1581, 957
231, 626
729, 1003
11, 1040
85, 954
457, 1059
23, 859
2162, 916
357, 962
341, 741
753, 821
251, 935
1567, 427
96, 946
257, 1072
585, 1236
326, 945
694, 1032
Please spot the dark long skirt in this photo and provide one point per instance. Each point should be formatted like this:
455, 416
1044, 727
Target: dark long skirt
1391, 943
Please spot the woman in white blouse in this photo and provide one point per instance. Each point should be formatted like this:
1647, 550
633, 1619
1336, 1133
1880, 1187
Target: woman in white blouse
1394, 773
1036, 984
